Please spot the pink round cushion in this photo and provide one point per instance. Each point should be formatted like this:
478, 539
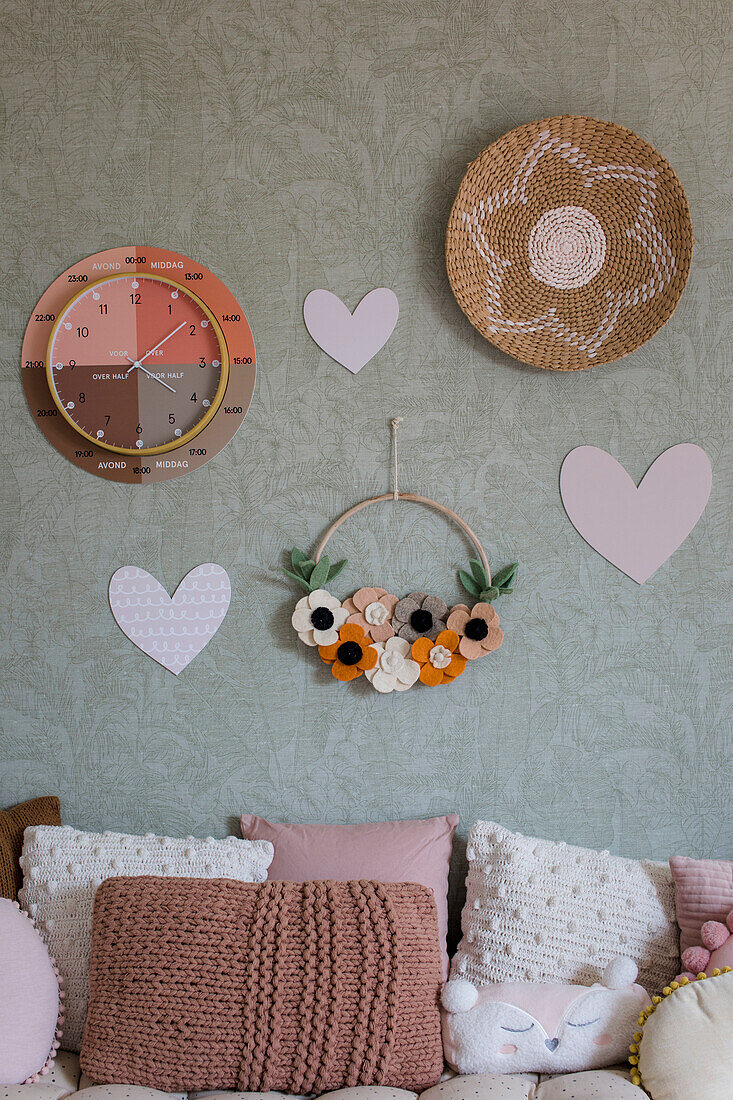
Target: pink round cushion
29, 999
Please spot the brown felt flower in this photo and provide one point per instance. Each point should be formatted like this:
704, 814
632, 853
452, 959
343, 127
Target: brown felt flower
419, 616
478, 629
371, 609
439, 663
351, 655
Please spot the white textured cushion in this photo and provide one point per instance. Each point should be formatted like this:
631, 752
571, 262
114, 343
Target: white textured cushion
63, 867
545, 912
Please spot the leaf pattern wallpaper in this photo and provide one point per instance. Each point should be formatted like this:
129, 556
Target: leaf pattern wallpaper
294, 145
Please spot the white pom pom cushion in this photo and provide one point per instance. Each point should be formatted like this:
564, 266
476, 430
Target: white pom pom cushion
62, 868
29, 999
526, 1027
545, 912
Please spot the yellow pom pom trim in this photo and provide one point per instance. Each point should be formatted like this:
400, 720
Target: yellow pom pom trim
634, 1049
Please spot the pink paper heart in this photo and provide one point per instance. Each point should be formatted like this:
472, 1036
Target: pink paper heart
352, 339
636, 529
170, 629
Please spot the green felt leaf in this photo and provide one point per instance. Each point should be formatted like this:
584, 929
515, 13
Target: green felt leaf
489, 594
479, 573
505, 576
299, 580
306, 568
296, 557
336, 569
319, 573
469, 583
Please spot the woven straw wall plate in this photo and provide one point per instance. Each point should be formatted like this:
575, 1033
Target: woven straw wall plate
569, 242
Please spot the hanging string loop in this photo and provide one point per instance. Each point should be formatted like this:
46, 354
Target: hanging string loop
396, 495
396, 420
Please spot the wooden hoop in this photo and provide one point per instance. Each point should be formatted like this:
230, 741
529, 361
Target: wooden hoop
418, 500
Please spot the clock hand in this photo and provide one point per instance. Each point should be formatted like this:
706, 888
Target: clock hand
147, 353
142, 368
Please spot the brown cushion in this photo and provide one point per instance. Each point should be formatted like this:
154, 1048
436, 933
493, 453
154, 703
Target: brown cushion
13, 823
299, 987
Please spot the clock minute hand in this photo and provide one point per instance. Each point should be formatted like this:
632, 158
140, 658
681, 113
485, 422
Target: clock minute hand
155, 376
139, 365
147, 353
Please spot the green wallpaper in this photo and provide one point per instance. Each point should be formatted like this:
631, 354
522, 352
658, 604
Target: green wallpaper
289, 146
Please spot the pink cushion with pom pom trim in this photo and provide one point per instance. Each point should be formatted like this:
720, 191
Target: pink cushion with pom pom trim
715, 934
703, 892
696, 960
29, 999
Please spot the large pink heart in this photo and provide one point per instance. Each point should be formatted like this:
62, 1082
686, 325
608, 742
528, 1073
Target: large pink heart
352, 339
170, 629
636, 529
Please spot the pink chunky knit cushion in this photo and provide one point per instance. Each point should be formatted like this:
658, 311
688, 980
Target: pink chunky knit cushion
298, 987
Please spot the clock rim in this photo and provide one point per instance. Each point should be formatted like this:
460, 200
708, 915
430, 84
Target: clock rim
218, 396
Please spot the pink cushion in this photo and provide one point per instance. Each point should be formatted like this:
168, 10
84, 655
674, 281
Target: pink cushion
29, 998
703, 892
386, 851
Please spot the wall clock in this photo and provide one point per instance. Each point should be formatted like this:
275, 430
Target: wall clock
138, 364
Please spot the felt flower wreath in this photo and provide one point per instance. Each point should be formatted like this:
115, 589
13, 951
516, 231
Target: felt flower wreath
395, 643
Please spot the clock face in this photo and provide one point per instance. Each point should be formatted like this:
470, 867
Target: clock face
138, 364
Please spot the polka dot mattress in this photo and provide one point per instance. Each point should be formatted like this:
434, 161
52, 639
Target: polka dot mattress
66, 1079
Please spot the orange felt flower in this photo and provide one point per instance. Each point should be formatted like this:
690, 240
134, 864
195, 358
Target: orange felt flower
478, 628
351, 654
438, 660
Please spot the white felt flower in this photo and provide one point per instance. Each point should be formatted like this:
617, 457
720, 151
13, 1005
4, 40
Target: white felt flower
394, 670
376, 614
440, 657
318, 617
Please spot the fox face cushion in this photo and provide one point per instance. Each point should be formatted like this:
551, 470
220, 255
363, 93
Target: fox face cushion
525, 1027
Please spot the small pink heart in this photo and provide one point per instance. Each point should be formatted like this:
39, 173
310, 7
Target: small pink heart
170, 629
636, 529
352, 339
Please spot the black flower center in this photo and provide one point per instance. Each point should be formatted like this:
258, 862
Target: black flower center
349, 653
476, 629
421, 621
322, 618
